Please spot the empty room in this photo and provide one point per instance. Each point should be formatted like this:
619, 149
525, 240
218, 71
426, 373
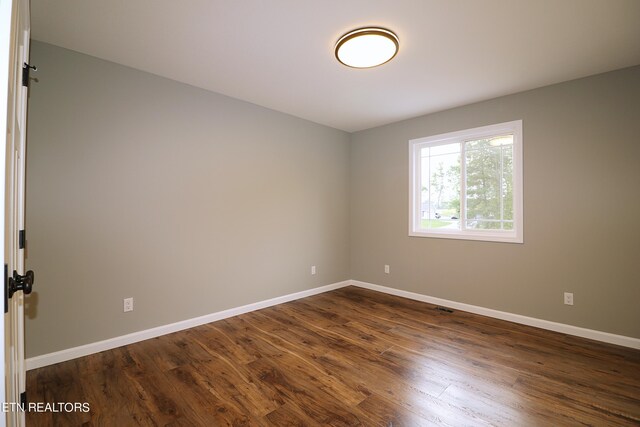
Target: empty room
344, 213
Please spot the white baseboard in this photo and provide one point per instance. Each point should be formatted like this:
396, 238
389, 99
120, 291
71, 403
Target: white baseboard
85, 350
503, 315
96, 347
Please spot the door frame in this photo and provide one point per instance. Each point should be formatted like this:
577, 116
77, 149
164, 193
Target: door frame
14, 50
6, 29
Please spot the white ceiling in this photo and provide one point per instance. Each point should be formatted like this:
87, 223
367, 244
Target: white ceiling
279, 53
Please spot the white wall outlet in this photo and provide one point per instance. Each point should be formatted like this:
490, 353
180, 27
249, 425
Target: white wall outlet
128, 304
386, 269
568, 298
313, 270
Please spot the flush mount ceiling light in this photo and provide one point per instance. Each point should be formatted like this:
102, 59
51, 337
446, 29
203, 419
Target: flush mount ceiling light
367, 47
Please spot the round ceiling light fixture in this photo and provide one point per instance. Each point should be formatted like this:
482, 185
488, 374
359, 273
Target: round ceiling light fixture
367, 47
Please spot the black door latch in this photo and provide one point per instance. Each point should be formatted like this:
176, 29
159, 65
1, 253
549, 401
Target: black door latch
21, 283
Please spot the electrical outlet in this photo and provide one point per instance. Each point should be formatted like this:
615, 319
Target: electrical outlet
313, 270
568, 298
128, 304
386, 269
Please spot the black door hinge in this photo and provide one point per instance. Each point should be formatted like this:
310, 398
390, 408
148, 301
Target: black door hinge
25, 73
6, 288
23, 399
21, 239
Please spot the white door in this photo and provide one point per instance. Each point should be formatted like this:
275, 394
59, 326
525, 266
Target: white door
15, 46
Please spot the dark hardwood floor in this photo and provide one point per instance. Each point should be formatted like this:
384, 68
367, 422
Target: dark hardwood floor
349, 357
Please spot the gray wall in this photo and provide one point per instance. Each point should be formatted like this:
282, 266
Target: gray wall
188, 201
192, 203
581, 208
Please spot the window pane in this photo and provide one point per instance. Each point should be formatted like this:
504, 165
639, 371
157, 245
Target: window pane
483, 225
483, 193
507, 184
489, 182
440, 196
493, 141
445, 149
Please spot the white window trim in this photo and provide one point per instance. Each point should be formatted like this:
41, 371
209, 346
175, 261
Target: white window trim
515, 236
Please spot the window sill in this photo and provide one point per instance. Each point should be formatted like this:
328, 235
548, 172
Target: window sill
470, 235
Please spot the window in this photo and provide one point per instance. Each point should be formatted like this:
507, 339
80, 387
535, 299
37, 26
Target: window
468, 184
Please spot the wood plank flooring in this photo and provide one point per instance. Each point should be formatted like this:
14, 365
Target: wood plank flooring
345, 358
